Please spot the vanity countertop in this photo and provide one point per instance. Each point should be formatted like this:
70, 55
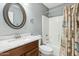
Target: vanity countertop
6, 45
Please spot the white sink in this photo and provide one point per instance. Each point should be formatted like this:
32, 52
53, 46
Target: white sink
13, 43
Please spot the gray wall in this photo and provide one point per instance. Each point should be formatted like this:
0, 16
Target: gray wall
33, 25
58, 10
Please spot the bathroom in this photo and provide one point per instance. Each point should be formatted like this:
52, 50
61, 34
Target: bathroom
35, 29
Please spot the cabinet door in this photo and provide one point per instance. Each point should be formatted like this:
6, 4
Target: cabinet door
5, 54
33, 52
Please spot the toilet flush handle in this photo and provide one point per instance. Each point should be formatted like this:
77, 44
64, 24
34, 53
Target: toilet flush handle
46, 35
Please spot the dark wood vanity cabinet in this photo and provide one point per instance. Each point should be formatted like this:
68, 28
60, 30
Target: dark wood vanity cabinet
30, 49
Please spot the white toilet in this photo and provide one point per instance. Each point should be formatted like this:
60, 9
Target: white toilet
45, 50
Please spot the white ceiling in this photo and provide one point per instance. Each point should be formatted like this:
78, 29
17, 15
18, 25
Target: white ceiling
51, 5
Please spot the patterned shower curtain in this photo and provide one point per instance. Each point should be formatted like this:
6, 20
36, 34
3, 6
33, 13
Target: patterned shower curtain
69, 41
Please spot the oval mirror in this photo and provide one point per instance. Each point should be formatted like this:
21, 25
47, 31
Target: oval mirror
14, 15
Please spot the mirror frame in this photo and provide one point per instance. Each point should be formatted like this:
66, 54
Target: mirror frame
6, 17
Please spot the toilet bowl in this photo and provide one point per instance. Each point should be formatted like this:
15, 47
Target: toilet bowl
45, 50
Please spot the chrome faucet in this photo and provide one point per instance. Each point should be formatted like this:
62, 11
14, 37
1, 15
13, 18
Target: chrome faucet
17, 35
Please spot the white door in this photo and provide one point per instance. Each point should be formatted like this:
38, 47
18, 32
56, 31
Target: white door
45, 29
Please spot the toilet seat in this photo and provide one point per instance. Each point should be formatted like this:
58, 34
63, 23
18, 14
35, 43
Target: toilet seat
45, 49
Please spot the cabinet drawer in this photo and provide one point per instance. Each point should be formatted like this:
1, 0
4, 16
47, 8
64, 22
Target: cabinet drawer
21, 50
33, 52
